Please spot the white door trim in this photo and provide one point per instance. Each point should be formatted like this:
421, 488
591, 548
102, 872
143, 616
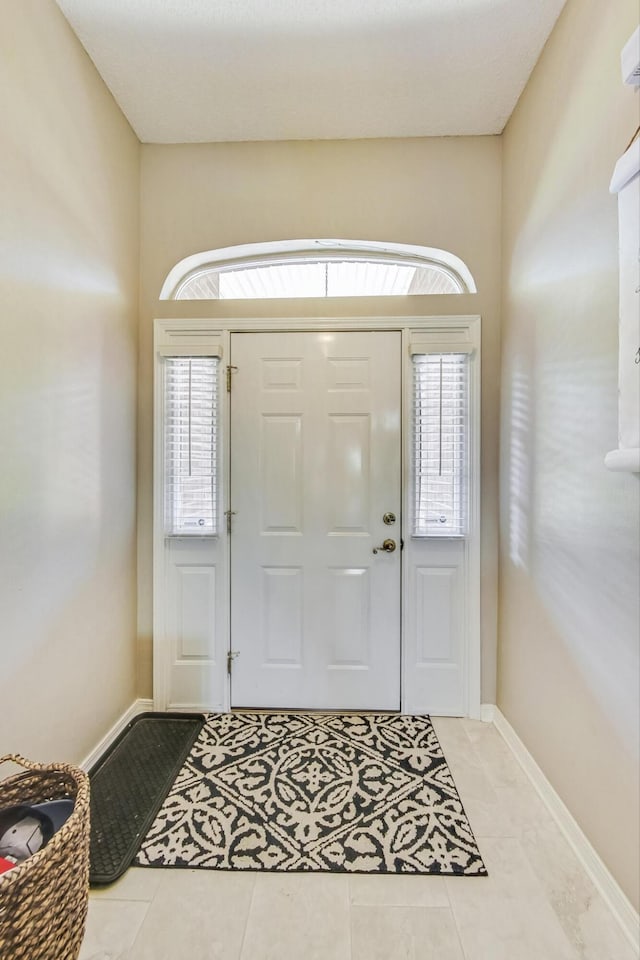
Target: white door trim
184, 331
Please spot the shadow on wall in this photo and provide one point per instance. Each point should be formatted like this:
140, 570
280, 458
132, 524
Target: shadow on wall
520, 479
569, 527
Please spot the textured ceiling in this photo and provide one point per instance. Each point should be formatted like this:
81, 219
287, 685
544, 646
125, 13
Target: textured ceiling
215, 70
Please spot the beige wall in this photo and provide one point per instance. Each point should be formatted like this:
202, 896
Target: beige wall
69, 180
568, 652
438, 192
69, 165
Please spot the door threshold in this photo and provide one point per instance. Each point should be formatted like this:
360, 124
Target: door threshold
311, 711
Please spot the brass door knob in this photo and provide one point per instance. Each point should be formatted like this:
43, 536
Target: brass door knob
387, 547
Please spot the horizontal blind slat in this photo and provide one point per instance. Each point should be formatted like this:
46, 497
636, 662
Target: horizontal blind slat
191, 445
440, 439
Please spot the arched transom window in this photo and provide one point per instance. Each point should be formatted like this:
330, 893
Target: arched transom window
317, 268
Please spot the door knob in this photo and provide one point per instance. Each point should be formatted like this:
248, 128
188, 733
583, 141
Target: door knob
387, 547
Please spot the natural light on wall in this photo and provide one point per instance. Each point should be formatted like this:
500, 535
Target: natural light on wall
317, 268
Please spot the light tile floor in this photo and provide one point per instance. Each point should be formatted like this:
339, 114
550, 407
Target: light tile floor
536, 904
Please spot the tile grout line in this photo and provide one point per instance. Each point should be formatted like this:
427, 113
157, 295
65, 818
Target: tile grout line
129, 952
456, 924
246, 922
350, 918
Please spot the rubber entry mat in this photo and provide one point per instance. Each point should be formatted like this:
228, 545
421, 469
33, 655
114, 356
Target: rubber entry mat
129, 784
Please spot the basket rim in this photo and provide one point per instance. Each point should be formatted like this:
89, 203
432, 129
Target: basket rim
76, 818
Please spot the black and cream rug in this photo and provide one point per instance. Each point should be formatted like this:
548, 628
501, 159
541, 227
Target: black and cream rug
309, 792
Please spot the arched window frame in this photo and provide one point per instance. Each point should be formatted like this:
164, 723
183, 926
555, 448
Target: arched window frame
245, 256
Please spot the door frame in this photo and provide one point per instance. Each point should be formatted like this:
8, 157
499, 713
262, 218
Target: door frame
436, 332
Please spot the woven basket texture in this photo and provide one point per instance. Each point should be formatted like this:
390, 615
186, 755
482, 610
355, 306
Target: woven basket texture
44, 899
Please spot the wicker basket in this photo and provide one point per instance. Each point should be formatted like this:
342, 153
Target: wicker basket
43, 900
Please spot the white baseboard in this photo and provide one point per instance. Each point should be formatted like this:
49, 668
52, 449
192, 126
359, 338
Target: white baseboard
487, 712
617, 901
136, 708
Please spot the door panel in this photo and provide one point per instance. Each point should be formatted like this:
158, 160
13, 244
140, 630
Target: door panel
348, 464
196, 625
349, 622
315, 464
194, 590
281, 484
435, 624
280, 605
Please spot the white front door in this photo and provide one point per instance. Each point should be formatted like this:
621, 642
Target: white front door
315, 466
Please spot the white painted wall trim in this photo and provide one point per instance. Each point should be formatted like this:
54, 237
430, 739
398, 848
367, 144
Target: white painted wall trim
461, 330
607, 886
169, 329
137, 707
487, 712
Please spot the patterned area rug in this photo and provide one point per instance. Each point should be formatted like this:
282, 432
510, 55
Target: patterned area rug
310, 792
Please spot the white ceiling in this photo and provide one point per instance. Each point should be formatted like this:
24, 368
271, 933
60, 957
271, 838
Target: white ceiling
215, 70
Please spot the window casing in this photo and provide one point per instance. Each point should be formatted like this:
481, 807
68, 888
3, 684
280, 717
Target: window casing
317, 268
440, 445
191, 446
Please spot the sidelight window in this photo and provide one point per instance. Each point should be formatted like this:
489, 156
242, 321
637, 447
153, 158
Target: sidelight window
190, 446
440, 444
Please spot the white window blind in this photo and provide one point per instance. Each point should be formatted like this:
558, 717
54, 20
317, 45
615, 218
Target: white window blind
190, 446
305, 276
440, 443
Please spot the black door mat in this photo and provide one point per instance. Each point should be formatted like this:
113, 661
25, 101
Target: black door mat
129, 784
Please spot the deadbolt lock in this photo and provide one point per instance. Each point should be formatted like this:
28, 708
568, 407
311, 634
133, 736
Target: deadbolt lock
387, 547
389, 518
